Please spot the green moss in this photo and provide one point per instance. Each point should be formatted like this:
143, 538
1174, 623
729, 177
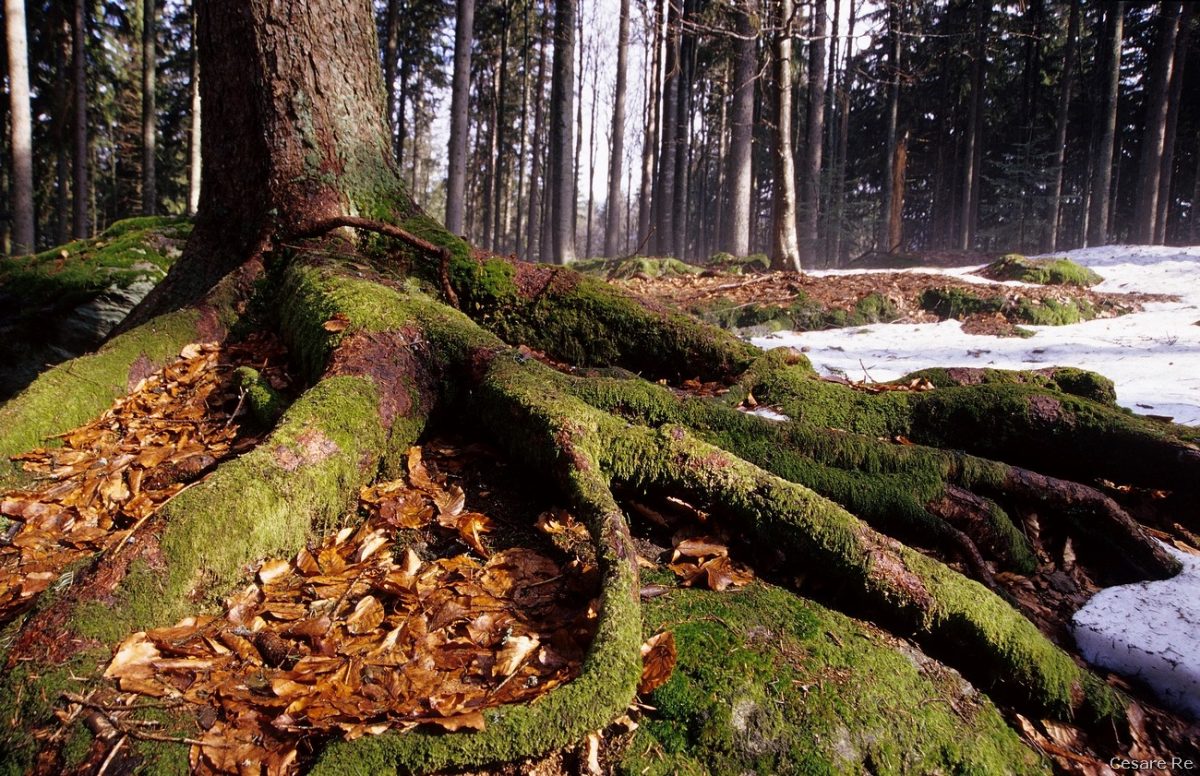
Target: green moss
29, 693
636, 266
128, 250
1051, 272
769, 683
74, 392
958, 303
803, 314
945, 611
1070, 380
264, 402
294, 485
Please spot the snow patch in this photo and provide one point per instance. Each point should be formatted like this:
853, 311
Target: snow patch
1153, 356
768, 413
1149, 631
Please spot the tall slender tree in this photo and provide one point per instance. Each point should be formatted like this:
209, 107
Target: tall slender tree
459, 105
194, 134
79, 157
17, 39
894, 17
741, 141
785, 251
1061, 117
973, 151
1175, 98
562, 163
1097, 232
149, 109
616, 157
1154, 125
810, 236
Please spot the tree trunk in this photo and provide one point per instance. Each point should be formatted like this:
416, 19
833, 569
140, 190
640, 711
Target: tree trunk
1098, 214
973, 155
893, 112
616, 159
810, 241
1061, 117
663, 197
459, 105
895, 215
391, 53
22, 127
785, 251
1176, 96
194, 134
562, 162
650, 136
500, 184
843, 145
149, 109
591, 185
79, 156
538, 180
1154, 124
741, 143
61, 135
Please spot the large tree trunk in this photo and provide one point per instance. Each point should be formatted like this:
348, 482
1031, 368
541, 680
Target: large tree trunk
459, 104
1098, 215
149, 108
616, 158
301, 173
1061, 117
663, 197
741, 142
785, 251
562, 161
538, 188
650, 137
22, 126
1154, 124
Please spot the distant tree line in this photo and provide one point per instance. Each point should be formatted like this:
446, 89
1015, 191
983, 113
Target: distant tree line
813, 132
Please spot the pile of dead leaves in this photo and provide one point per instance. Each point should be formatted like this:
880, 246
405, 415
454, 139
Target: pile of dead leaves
110, 475
356, 635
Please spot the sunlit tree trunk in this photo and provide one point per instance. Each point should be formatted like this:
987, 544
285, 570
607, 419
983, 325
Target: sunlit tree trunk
1097, 233
22, 126
616, 159
785, 252
1061, 117
459, 105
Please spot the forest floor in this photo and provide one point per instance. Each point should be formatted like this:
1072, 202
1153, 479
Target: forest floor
488, 590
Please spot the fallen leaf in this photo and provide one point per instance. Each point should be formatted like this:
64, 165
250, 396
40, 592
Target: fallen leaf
658, 661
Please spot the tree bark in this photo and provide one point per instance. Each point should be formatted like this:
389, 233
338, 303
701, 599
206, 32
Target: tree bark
79, 158
391, 53
973, 154
459, 104
538, 180
1175, 100
149, 108
663, 197
1061, 118
843, 143
1102, 171
562, 162
810, 241
61, 135
741, 143
616, 159
893, 112
1154, 123
650, 136
195, 137
785, 251
22, 126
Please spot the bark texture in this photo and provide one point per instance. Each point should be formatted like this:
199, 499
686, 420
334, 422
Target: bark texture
22, 126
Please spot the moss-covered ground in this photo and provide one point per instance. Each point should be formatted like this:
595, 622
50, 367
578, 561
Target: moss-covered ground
767, 682
1046, 272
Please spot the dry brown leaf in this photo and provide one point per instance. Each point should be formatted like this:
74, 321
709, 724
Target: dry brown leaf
658, 661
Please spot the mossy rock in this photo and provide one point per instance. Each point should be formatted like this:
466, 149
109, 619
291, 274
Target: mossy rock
768, 682
1065, 379
638, 266
1046, 272
803, 314
727, 262
961, 303
62, 302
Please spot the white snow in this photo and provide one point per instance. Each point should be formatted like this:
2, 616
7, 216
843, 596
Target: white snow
1149, 631
1152, 356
